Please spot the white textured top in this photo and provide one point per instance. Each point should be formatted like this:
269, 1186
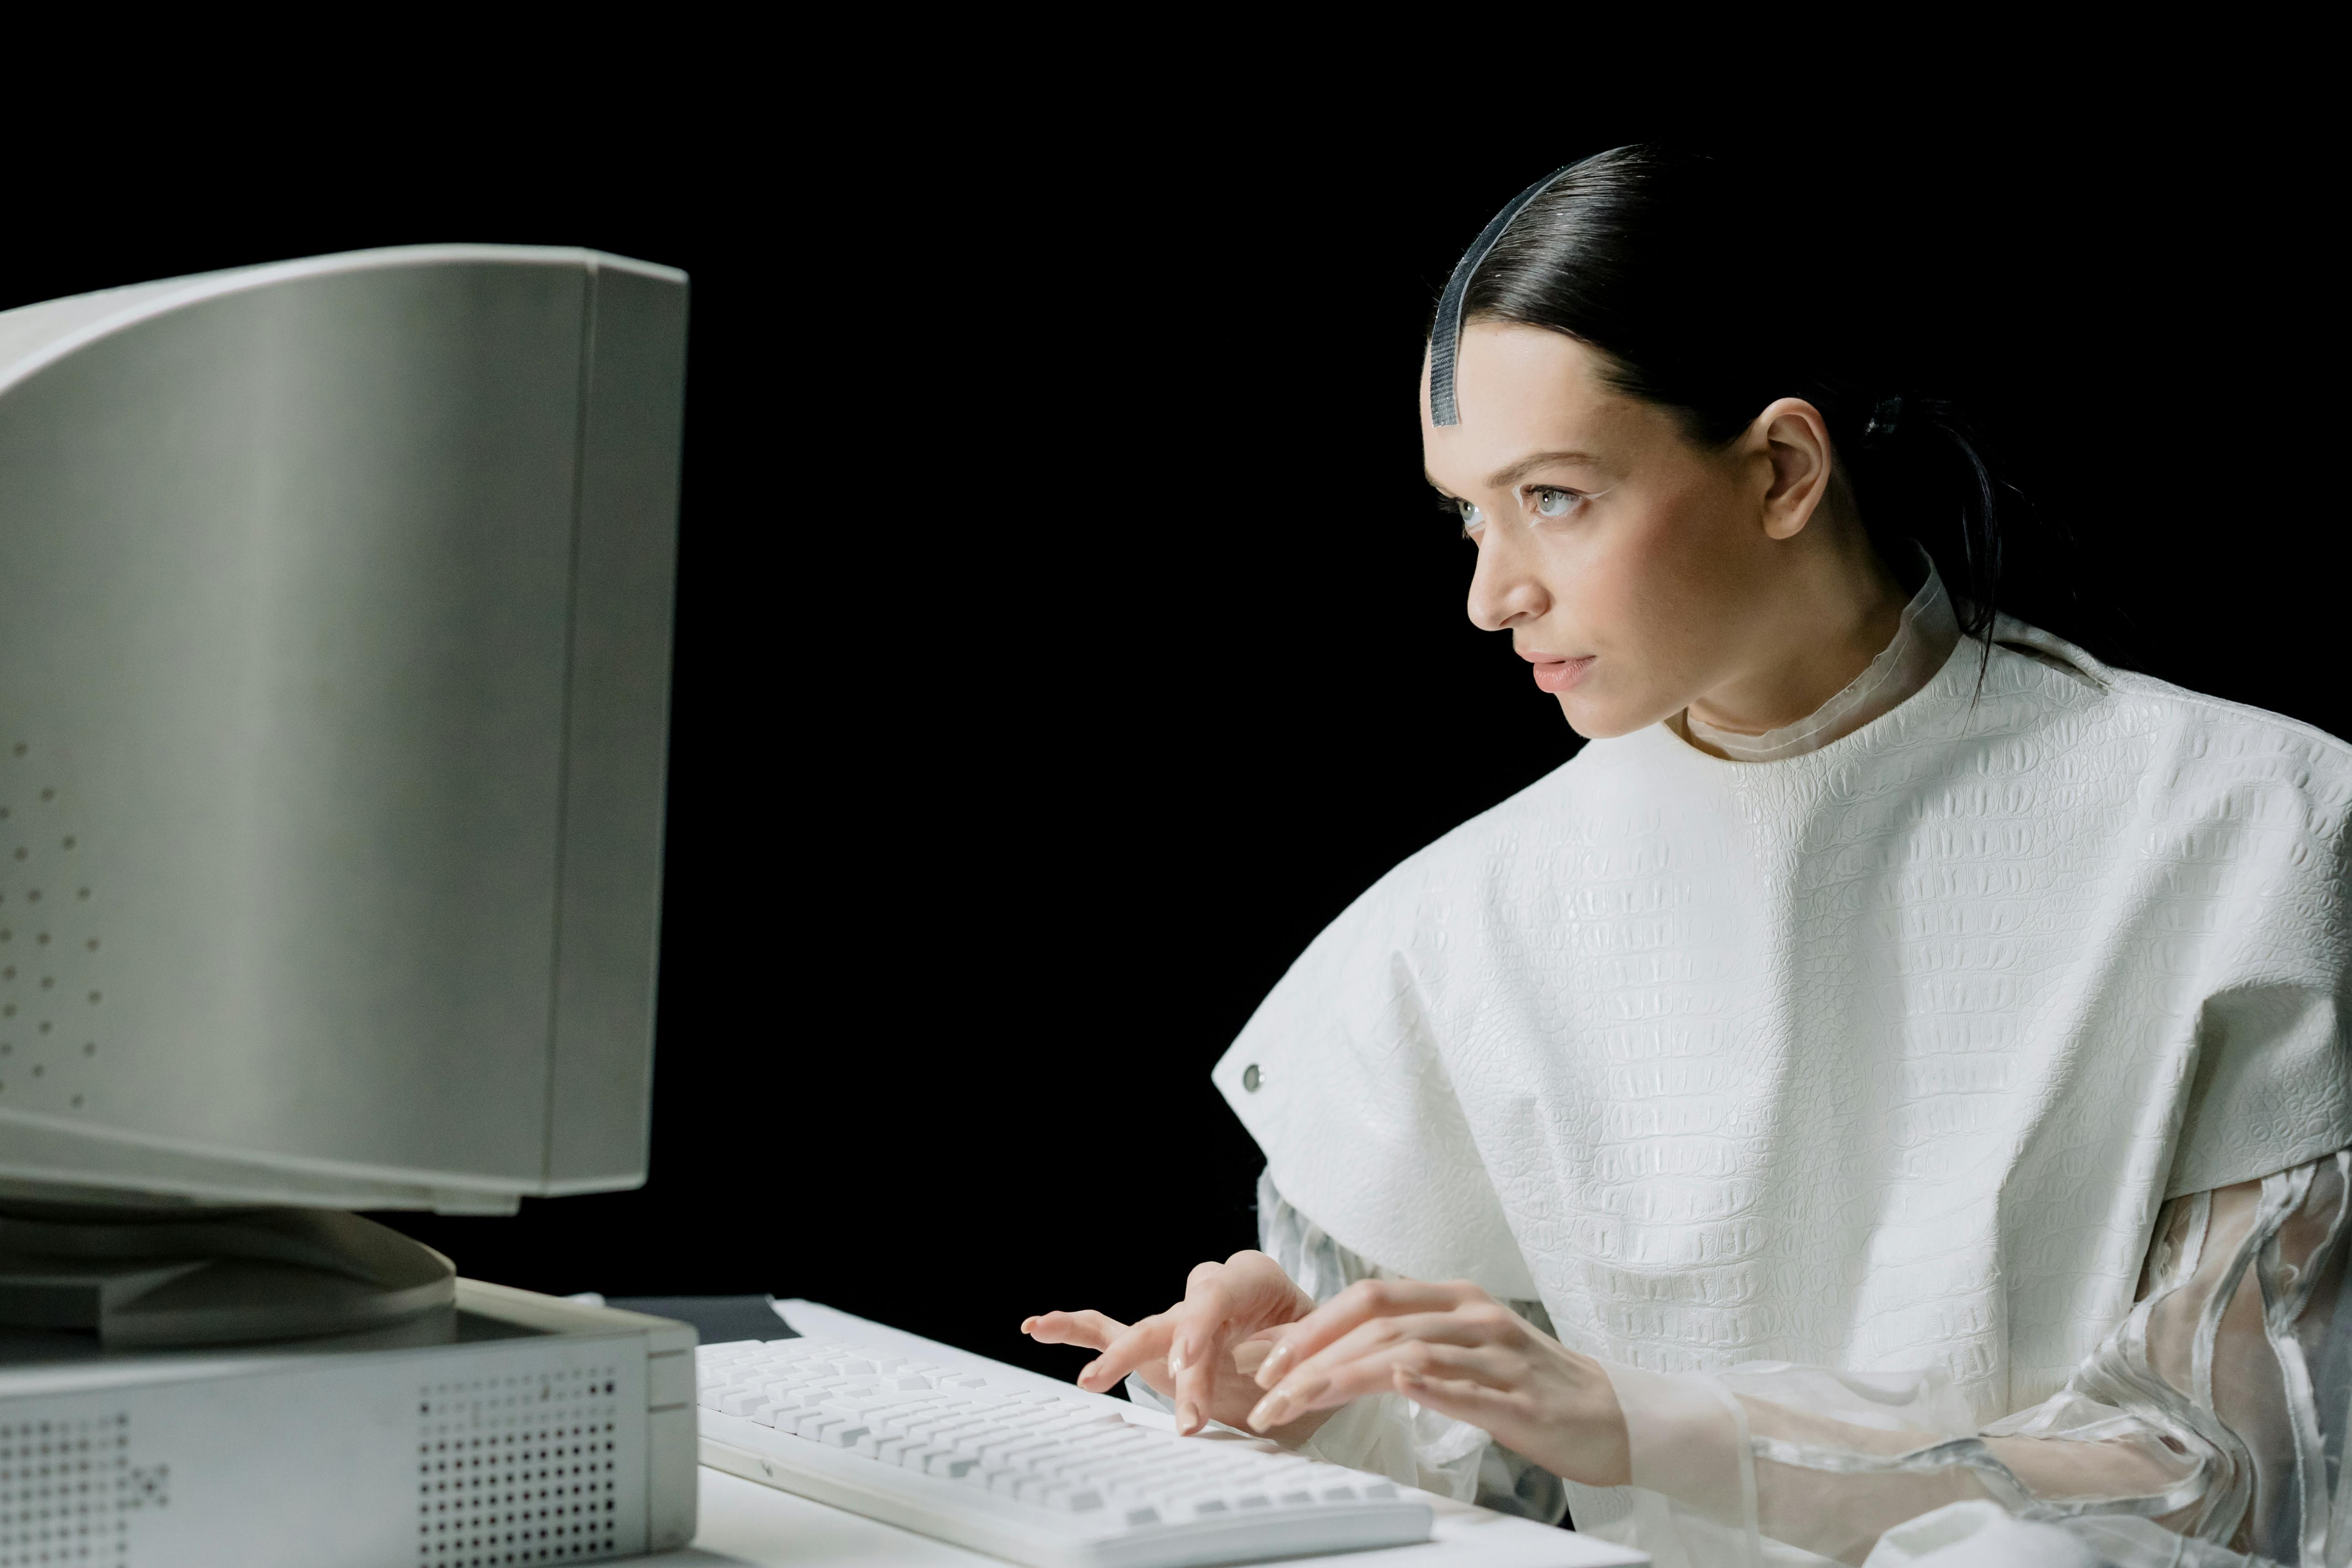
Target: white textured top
1881, 1057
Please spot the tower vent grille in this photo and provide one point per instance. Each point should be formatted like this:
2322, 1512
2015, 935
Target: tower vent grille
516, 1471
68, 1492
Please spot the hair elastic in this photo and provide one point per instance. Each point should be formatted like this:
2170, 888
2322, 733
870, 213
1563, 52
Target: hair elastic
1445, 335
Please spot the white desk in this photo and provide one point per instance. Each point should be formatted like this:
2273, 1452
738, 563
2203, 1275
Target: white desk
745, 1525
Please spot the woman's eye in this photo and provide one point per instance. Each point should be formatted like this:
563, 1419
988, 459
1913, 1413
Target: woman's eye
1471, 516
1551, 502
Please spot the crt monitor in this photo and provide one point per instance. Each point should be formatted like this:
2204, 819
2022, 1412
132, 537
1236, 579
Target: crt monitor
335, 605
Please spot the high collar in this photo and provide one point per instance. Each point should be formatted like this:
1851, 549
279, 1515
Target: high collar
1924, 638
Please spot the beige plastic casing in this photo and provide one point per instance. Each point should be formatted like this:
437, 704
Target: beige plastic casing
552, 1424
334, 667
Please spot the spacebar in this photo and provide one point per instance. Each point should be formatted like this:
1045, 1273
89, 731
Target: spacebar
930, 1505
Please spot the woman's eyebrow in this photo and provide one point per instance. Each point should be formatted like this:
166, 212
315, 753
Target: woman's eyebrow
1503, 478
1516, 471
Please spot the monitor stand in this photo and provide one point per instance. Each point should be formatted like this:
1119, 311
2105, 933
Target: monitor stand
166, 1278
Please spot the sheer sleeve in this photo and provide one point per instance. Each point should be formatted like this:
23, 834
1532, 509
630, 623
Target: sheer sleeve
2208, 1425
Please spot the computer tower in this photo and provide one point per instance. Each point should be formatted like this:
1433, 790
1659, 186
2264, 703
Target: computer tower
517, 1429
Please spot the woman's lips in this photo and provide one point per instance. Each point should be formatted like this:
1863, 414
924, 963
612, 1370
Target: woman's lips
1556, 674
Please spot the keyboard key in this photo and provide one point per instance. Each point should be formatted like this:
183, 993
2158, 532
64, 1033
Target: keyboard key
1082, 1419
1024, 1450
897, 1421
860, 1401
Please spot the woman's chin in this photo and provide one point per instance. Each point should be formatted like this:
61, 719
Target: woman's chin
1599, 720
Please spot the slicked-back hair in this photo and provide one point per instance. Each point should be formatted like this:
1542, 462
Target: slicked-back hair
1706, 300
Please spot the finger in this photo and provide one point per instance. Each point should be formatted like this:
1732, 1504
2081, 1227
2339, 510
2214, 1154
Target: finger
1249, 1351
1089, 1329
1247, 1356
1145, 1342
1375, 1372
1203, 1323
1489, 1367
1360, 1365
1226, 1306
1362, 1302
1463, 1399
1463, 1327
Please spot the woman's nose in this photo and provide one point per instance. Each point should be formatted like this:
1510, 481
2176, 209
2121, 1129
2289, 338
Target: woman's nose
1503, 592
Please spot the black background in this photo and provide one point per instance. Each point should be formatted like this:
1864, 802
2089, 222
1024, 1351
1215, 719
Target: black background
1065, 633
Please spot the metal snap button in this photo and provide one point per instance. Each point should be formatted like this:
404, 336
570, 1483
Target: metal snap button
1251, 1077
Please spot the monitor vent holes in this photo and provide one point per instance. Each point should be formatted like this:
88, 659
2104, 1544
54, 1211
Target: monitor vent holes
51, 997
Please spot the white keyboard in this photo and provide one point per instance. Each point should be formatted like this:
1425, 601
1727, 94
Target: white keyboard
1000, 1464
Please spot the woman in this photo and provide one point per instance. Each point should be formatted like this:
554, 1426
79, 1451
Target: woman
1896, 1063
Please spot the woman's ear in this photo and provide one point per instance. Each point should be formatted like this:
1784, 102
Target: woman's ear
1797, 441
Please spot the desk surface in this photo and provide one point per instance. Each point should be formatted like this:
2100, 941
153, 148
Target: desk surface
745, 1525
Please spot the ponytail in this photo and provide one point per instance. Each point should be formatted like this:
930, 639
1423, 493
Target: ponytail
1920, 473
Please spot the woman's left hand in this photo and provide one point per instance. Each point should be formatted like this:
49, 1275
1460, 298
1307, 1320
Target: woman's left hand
1461, 1352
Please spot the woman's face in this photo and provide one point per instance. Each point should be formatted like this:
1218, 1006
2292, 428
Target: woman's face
1634, 568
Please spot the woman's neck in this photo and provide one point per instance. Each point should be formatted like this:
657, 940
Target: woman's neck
1829, 621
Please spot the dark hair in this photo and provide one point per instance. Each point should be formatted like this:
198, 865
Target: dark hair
1672, 264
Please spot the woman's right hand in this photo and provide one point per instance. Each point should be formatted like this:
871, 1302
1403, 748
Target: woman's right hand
1202, 1352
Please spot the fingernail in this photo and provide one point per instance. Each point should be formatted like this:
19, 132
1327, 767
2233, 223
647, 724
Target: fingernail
1270, 1370
1271, 1411
1188, 1419
1028, 1325
1175, 1357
